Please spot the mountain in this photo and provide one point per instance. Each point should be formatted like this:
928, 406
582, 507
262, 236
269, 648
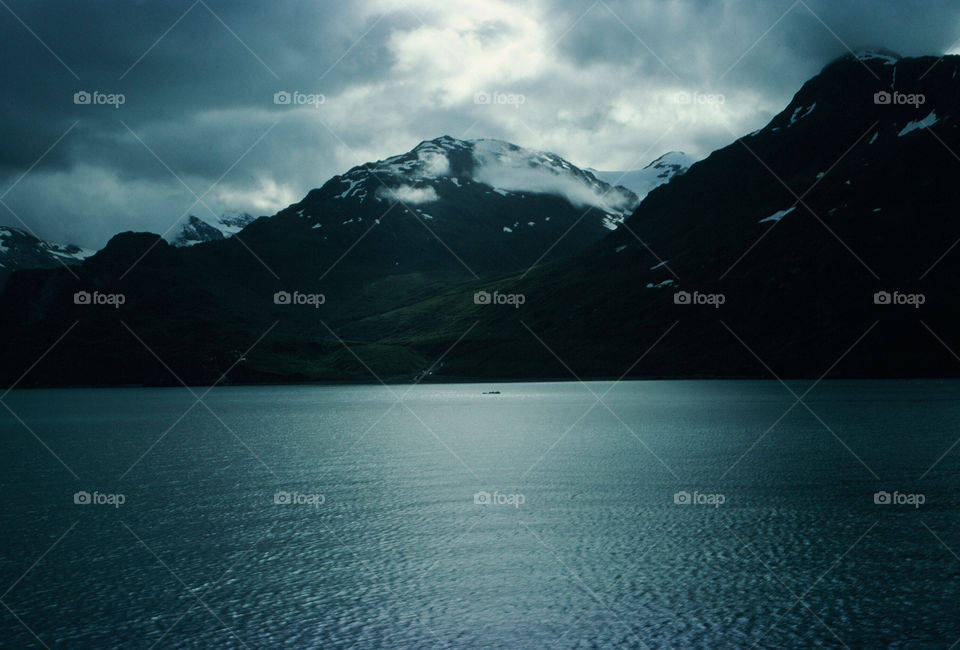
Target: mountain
21, 250
823, 243
469, 208
448, 207
195, 230
445, 169
643, 181
835, 221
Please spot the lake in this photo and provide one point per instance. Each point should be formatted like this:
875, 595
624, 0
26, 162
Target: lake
644, 514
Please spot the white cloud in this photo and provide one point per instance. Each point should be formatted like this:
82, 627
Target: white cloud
411, 195
433, 163
264, 196
469, 47
606, 112
511, 170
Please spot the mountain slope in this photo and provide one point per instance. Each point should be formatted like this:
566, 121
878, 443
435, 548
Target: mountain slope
798, 226
21, 250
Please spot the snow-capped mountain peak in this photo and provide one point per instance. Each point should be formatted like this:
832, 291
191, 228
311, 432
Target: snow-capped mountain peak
887, 56
196, 230
660, 171
21, 250
491, 204
419, 176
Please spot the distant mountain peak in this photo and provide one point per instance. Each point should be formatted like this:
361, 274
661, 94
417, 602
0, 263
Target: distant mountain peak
21, 250
675, 161
889, 57
446, 142
196, 230
656, 173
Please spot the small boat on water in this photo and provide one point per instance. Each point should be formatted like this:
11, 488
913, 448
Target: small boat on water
491, 392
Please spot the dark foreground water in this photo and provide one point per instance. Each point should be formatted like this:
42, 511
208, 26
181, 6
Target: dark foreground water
669, 514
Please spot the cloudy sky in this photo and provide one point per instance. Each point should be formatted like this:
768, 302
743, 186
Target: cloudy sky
199, 132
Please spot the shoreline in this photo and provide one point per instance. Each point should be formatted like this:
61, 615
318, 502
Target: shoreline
481, 382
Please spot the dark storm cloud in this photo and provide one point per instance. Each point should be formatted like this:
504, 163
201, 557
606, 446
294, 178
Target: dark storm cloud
199, 78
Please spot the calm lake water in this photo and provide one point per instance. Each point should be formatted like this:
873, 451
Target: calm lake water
670, 514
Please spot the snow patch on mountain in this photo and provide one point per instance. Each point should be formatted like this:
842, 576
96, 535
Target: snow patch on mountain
796, 117
926, 122
643, 181
888, 58
778, 215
